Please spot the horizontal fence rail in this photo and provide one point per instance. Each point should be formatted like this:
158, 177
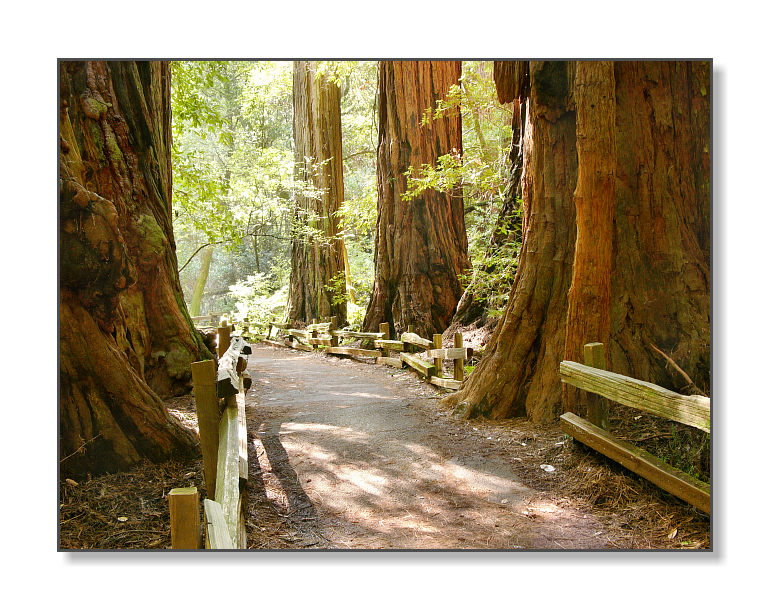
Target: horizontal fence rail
639, 461
694, 411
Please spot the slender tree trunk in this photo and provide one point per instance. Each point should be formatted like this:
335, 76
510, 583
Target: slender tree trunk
125, 334
317, 250
420, 245
348, 276
255, 244
200, 283
659, 282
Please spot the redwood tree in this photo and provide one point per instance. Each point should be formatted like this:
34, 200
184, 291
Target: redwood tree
651, 287
318, 252
420, 244
126, 339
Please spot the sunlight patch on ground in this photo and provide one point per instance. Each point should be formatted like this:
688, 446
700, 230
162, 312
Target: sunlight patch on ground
362, 395
370, 483
299, 427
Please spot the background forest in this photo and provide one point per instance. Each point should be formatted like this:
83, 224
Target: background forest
235, 183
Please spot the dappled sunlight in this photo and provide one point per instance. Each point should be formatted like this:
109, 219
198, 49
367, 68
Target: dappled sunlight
291, 427
409, 481
377, 473
370, 483
363, 395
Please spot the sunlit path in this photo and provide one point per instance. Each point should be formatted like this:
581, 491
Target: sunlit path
366, 459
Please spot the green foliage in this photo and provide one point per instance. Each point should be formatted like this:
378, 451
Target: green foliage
234, 184
356, 314
259, 299
337, 287
495, 268
196, 115
233, 170
358, 217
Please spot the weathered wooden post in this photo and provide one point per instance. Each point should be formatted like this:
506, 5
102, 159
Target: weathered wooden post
335, 341
385, 328
185, 518
313, 334
223, 338
206, 404
439, 362
410, 349
596, 407
459, 362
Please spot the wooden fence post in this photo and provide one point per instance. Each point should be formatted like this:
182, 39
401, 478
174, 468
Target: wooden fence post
459, 362
206, 404
597, 411
185, 518
385, 328
223, 338
335, 341
439, 362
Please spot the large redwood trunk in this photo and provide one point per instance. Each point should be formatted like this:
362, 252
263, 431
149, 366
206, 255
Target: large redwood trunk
318, 252
421, 244
659, 283
126, 338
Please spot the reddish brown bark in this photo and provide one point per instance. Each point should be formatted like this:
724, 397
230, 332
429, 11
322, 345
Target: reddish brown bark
318, 254
588, 315
420, 245
660, 284
125, 335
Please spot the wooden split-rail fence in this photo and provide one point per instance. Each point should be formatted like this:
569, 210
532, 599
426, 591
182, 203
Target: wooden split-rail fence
694, 411
210, 319
221, 405
222, 420
409, 350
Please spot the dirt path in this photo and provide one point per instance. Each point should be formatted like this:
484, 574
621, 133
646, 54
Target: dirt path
355, 455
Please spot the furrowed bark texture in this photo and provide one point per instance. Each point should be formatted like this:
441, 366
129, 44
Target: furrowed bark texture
588, 315
421, 244
660, 281
318, 253
125, 335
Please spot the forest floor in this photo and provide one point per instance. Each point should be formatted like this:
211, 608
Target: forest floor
344, 454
